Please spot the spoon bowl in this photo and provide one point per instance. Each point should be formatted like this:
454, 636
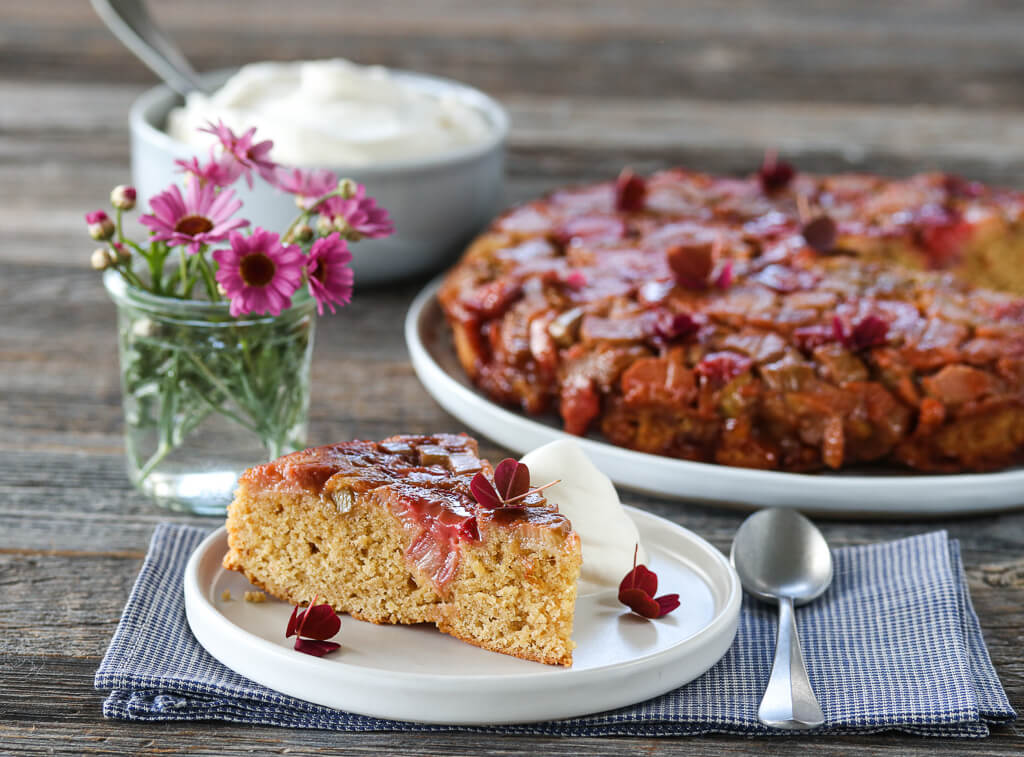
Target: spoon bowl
780, 553
781, 557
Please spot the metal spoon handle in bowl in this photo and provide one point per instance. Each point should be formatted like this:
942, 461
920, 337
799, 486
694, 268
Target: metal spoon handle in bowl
789, 700
131, 23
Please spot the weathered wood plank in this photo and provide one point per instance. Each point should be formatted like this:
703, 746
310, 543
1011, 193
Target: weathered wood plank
877, 52
49, 704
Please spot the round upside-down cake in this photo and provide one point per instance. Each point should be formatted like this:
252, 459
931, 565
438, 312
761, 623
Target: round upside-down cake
782, 321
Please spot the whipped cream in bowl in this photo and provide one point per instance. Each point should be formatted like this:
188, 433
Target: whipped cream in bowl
334, 112
588, 499
429, 149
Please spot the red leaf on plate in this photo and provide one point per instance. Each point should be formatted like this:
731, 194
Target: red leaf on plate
315, 647
317, 623
293, 623
640, 578
667, 603
637, 592
640, 602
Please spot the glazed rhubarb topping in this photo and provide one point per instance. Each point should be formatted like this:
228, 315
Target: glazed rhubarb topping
783, 320
427, 483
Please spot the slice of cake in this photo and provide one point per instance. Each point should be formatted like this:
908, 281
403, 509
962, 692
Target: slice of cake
390, 532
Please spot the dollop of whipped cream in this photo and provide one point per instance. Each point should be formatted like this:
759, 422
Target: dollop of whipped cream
332, 112
588, 499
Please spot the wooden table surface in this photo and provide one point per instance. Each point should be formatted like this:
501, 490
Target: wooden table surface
590, 86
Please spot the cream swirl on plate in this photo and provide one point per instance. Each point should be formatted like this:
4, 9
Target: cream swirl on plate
333, 113
588, 499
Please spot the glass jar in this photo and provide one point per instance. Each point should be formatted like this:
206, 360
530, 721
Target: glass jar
206, 395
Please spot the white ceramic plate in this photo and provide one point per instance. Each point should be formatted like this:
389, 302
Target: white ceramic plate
417, 673
864, 492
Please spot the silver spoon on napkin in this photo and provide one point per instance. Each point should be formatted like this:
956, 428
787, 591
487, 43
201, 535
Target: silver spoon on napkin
131, 23
781, 557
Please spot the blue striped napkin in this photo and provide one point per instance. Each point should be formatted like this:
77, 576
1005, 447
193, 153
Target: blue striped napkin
893, 645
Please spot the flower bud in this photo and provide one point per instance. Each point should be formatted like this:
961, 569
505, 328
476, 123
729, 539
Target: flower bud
303, 233
122, 252
101, 259
123, 197
347, 187
101, 228
324, 225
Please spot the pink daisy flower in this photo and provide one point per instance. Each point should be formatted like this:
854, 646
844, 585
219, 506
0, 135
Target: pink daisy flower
202, 216
358, 214
330, 278
250, 156
219, 173
258, 273
307, 186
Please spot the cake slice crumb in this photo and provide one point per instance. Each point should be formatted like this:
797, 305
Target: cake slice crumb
226, 595
255, 596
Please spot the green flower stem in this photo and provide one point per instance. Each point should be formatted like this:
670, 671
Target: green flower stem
183, 270
243, 376
230, 414
128, 275
162, 451
208, 278
306, 214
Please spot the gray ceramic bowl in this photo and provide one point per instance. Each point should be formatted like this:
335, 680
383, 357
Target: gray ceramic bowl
437, 203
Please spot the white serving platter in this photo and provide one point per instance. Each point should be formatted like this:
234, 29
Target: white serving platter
418, 674
862, 492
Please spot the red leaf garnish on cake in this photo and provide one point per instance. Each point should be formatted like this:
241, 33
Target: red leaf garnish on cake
775, 174
630, 191
869, 331
511, 478
675, 325
575, 279
484, 492
312, 628
958, 186
820, 234
724, 278
637, 592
